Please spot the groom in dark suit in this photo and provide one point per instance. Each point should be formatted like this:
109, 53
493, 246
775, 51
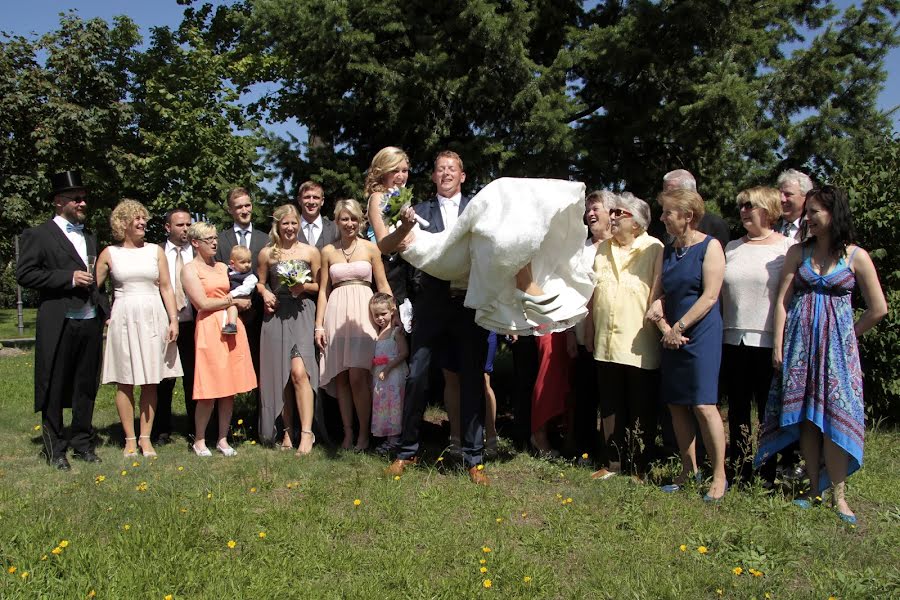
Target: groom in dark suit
57, 260
443, 325
315, 229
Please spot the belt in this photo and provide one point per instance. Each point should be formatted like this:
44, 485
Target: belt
457, 294
334, 286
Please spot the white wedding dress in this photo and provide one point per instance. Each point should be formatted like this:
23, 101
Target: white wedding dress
508, 224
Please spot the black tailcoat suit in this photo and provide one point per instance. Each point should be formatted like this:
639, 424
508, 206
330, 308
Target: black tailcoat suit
441, 321
67, 351
328, 235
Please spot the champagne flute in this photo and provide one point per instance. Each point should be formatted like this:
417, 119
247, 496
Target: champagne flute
91, 264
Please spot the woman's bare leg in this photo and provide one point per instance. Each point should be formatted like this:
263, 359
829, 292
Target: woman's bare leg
303, 393
686, 436
361, 387
202, 413
125, 408
148, 412
713, 433
345, 403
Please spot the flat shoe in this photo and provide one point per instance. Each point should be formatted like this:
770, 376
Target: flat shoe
226, 451
849, 519
201, 451
670, 488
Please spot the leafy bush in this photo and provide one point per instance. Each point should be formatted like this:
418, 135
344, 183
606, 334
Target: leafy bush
870, 179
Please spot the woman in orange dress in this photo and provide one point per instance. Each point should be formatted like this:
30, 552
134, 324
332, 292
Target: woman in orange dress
223, 367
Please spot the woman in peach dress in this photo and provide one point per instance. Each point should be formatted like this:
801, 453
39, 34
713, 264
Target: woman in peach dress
223, 367
345, 332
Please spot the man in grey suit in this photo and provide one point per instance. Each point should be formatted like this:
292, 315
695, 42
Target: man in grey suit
315, 229
242, 231
793, 186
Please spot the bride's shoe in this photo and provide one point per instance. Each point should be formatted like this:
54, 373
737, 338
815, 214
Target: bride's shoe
538, 300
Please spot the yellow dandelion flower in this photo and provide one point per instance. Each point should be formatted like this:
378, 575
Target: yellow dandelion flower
57, 551
43, 557
357, 502
768, 595
135, 464
832, 598
37, 428
232, 543
24, 574
396, 478
11, 570
262, 535
818, 498
683, 547
126, 526
91, 594
720, 591
482, 561
253, 490
524, 514
123, 473
440, 459
487, 583
240, 421
499, 519
483, 569
480, 467
183, 510
168, 597
737, 570
527, 579
702, 549
584, 456
561, 474
569, 501
209, 495
99, 479
559, 496
180, 468
252, 442
64, 544
485, 549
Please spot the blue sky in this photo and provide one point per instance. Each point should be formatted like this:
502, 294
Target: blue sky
40, 16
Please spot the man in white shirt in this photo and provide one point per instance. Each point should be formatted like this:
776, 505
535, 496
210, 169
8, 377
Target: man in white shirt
57, 259
178, 253
793, 186
315, 229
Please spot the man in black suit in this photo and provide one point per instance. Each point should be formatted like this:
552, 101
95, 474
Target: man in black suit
178, 253
793, 185
315, 229
57, 260
442, 324
242, 231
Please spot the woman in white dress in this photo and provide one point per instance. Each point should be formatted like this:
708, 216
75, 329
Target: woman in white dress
518, 243
140, 340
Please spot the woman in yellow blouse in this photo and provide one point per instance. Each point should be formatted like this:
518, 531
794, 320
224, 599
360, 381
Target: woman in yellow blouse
625, 344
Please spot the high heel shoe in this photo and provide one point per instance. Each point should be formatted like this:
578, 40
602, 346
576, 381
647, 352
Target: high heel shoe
129, 453
148, 454
302, 433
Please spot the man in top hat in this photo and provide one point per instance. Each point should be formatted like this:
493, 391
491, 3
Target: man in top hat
57, 260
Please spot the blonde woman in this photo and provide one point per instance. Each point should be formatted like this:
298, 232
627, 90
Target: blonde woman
389, 170
344, 329
289, 373
143, 326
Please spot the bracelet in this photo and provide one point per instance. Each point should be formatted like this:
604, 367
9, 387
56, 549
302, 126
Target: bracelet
319, 329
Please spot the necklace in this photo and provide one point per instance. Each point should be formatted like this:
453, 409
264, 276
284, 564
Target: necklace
759, 239
347, 256
681, 252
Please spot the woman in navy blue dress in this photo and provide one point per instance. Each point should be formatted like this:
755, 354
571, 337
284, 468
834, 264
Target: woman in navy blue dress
692, 274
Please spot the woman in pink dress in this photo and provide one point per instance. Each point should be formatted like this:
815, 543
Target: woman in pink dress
222, 365
345, 332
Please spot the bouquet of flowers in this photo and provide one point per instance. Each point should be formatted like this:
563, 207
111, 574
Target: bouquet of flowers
291, 273
394, 202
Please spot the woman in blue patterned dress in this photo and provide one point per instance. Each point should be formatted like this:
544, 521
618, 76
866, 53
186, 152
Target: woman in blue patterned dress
817, 396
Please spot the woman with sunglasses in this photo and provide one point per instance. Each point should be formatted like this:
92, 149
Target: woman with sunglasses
817, 396
222, 366
752, 269
625, 344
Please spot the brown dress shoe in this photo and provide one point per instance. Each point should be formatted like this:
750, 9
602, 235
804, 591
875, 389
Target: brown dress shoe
398, 466
478, 477
603, 474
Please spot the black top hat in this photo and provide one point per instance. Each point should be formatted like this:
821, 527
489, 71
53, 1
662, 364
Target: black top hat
65, 181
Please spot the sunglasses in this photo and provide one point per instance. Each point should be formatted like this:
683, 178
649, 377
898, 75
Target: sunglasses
618, 212
746, 206
76, 199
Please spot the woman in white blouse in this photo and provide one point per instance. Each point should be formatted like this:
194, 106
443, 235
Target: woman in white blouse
752, 270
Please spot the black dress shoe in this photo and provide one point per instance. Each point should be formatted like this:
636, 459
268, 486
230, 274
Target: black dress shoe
60, 463
87, 456
163, 439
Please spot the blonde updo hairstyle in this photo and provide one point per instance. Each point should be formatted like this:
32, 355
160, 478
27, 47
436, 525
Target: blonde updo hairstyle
768, 199
685, 201
200, 230
278, 216
385, 161
123, 214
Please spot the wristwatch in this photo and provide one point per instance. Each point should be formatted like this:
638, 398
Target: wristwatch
680, 324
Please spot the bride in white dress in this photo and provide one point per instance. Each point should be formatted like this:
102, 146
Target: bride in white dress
518, 244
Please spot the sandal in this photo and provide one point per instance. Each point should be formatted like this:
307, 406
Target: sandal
147, 453
129, 453
302, 433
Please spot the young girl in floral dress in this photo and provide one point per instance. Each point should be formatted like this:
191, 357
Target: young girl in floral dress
389, 370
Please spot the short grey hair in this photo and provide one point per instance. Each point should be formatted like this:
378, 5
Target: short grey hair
680, 179
607, 198
640, 210
794, 176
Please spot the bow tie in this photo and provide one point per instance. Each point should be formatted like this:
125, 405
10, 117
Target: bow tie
70, 227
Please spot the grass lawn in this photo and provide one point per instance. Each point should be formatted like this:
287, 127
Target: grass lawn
268, 525
9, 323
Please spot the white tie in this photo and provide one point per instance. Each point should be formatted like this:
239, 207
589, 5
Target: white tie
310, 234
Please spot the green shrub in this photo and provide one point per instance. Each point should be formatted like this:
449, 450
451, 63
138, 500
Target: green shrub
871, 181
